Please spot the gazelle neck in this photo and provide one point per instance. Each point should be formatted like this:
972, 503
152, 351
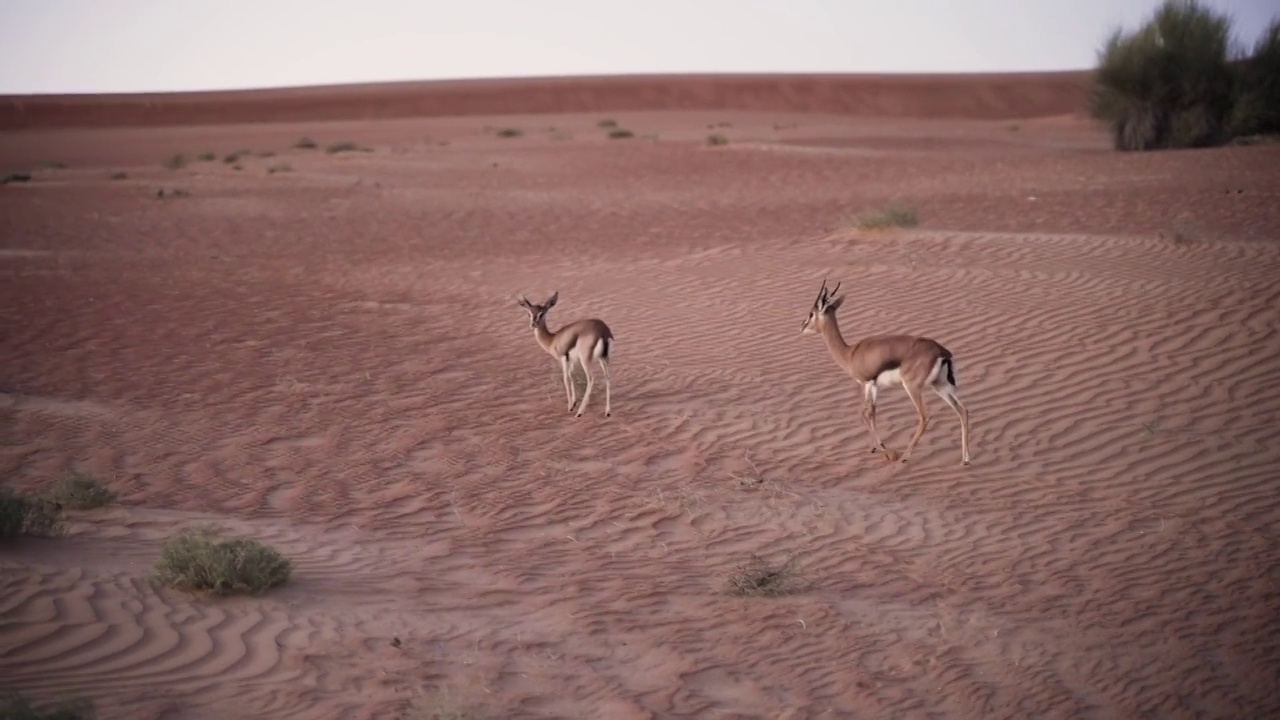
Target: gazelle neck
835, 341
543, 335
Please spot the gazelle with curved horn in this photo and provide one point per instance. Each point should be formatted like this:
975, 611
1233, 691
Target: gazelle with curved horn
581, 342
883, 361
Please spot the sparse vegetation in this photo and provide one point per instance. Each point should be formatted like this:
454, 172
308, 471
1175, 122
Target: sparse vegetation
52, 165
15, 177
716, 139
198, 560
14, 706
206, 157
1174, 82
306, 143
175, 192
233, 157
279, 168
607, 123
509, 132
892, 216
120, 175
21, 515
757, 578
79, 491
1257, 103
620, 134
344, 146
176, 162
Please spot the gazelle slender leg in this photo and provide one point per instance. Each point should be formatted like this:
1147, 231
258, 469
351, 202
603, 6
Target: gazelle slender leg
917, 399
869, 392
948, 395
586, 394
566, 369
608, 406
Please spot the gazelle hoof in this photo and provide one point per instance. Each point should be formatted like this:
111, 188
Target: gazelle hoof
890, 455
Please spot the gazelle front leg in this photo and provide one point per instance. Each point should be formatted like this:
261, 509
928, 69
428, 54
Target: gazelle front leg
565, 371
869, 416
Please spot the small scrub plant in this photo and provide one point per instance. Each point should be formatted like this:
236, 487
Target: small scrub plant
14, 706
206, 157
509, 132
344, 146
232, 157
757, 578
279, 168
717, 139
306, 143
607, 123
21, 515
620, 134
53, 165
892, 216
15, 177
176, 162
79, 491
199, 560
120, 175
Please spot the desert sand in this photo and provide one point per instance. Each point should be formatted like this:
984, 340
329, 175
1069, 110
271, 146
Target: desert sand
323, 352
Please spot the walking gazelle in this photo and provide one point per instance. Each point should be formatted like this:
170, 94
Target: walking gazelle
581, 342
882, 361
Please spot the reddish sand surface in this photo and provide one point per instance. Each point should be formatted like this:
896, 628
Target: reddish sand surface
322, 351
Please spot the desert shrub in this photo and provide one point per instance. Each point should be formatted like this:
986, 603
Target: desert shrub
344, 146
206, 157
620, 134
607, 123
717, 139
17, 707
15, 177
1169, 83
120, 175
79, 491
510, 132
757, 578
279, 168
892, 216
1257, 103
306, 143
176, 162
200, 561
21, 515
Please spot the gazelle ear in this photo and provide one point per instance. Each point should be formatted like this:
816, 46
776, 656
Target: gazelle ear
834, 304
521, 301
552, 300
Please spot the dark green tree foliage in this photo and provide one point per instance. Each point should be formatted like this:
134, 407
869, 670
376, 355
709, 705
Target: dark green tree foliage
1168, 84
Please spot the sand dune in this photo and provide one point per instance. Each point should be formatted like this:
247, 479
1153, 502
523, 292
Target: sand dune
330, 359
987, 96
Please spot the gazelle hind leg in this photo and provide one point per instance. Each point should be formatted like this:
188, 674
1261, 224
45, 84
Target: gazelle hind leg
586, 394
608, 400
917, 399
566, 371
947, 392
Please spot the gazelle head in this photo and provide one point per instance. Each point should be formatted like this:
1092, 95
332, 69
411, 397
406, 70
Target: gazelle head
537, 313
824, 307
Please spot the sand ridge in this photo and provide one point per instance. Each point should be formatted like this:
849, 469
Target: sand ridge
331, 360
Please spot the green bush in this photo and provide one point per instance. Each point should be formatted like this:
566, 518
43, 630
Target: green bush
1168, 84
79, 491
199, 561
21, 515
1257, 103
16, 707
892, 216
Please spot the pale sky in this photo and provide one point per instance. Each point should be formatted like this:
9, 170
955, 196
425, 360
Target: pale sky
61, 46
